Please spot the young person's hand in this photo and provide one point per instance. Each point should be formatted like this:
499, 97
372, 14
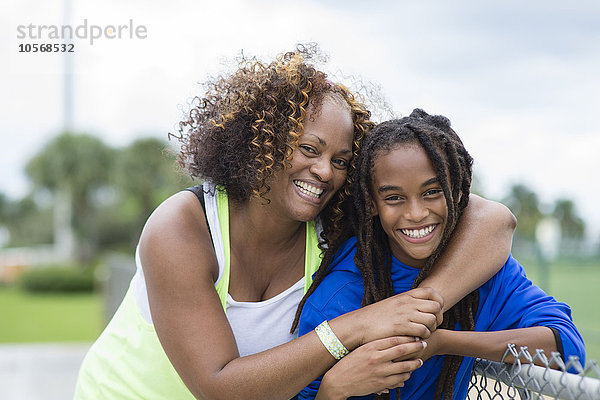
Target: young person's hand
373, 367
435, 344
415, 313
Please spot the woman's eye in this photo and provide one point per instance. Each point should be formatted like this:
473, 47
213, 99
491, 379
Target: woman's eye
392, 198
340, 162
308, 149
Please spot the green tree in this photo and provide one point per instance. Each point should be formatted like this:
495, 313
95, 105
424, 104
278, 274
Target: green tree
3, 202
146, 174
72, 167
571, 225
525, 205
146, 171
3, 209
27, 223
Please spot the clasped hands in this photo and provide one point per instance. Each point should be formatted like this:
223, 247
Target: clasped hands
398, 335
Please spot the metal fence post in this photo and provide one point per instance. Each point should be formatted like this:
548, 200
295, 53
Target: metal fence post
115, 281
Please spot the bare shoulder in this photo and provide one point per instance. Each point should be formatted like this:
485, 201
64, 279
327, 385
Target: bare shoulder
176, 240
180, 269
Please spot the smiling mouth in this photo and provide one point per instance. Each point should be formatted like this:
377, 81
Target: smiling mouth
418, 233
309, 189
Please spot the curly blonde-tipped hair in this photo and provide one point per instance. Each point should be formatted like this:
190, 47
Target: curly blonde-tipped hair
248, 124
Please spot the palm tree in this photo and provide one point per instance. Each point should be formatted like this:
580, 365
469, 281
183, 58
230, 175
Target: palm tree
524, 204
72, 166
571, 225
146, 174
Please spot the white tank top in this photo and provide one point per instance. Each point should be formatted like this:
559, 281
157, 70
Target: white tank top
257, 326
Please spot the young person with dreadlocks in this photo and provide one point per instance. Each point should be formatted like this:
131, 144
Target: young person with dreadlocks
221, 269
412, 186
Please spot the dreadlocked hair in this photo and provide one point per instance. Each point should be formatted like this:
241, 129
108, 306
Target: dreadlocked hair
247, 125
373, 258
450, 159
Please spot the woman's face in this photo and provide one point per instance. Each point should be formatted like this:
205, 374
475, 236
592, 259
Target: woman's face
410, 202
319, 164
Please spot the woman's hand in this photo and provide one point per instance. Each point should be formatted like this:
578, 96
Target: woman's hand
373, 367
415, 313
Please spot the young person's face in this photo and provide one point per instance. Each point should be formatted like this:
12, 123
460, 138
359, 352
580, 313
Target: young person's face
319, 164
410, 202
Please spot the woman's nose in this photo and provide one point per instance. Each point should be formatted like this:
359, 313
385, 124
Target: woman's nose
323, 169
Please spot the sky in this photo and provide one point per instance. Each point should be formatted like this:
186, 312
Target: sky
519, 80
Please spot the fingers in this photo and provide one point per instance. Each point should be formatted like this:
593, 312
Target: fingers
399, 385
427, 320
405, 351
387, 363
396, 348
406, 366
404, 378
434, 308
394, 381
429, 306
401, 378
391, 342
426, 303
401, 369
431, 302
427, 293
415, 329
417, 312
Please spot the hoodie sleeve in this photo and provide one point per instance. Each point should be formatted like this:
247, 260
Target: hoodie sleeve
510, 301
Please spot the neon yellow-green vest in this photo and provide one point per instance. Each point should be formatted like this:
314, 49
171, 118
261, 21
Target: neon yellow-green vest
128, 362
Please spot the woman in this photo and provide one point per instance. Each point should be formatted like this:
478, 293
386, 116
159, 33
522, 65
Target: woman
209, 310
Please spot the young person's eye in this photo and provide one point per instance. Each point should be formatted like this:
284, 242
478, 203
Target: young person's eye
393, 198
433, 192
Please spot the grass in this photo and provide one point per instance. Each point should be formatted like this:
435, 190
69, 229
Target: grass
576, 284
27, 317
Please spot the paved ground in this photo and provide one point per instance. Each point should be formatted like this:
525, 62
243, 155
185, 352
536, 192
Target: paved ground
39, 371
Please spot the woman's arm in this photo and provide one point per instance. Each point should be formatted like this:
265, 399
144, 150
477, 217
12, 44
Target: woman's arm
180, 269
480, 245
489, 345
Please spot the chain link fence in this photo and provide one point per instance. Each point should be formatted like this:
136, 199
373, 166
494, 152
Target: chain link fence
523, 379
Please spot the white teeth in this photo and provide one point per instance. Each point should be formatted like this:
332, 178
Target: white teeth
309, 189
418, 233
